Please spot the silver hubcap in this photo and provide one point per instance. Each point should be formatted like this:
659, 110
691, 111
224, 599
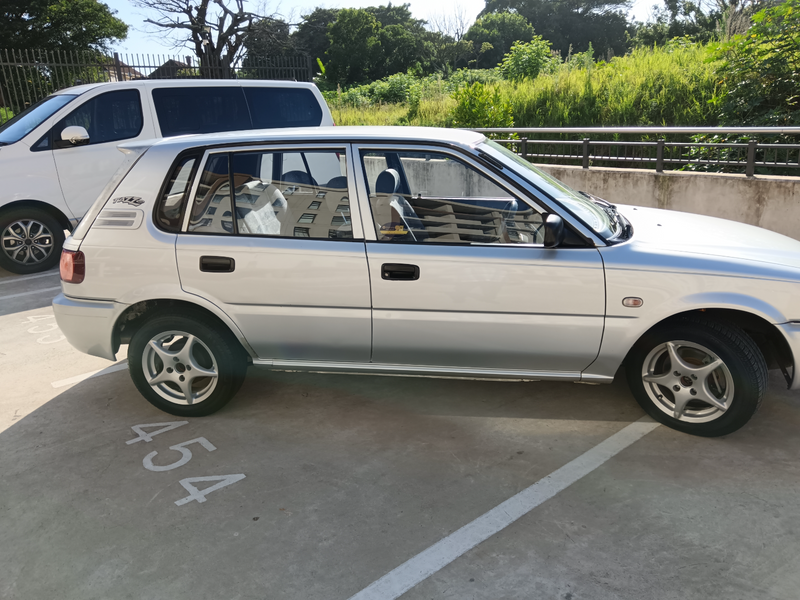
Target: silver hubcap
180, 367
688, 381
27, 242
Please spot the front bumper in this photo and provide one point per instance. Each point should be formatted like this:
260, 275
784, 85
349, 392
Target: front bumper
88, 324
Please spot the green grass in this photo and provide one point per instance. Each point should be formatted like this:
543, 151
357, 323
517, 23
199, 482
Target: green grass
667, 86
5, 115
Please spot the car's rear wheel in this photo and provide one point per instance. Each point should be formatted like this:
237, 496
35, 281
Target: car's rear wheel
185, 367
698, 376
30, 240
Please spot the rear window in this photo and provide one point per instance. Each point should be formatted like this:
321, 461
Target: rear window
277, 107
187, 110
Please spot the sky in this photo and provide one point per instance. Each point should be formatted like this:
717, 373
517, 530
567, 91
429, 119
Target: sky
141, 42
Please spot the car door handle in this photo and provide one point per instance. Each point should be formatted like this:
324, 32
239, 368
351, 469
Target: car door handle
217, 264
399, 272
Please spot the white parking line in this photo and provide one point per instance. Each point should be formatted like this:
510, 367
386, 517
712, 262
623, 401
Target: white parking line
78, 378
27, 277
442, 553
30, 293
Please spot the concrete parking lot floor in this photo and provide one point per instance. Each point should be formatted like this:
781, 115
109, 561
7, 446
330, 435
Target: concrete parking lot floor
316, 486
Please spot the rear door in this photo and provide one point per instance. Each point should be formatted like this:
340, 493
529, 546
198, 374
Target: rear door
270, 238
460, 278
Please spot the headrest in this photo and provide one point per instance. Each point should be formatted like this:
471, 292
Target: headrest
388, 182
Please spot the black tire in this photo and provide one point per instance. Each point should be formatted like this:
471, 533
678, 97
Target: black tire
30, 240
162, 376
708, 401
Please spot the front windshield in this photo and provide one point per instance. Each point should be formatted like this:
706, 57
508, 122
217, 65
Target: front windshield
21, 125
587, 211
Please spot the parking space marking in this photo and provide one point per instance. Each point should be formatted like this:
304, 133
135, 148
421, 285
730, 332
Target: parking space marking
27, 277
78, 378
442, 553
30, 293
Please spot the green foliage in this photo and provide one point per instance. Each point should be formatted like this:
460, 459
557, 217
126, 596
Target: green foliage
527, 60
466, 77
500, 31
677, 19
5, 115
65, 25
481, 106
761, 70
572, 23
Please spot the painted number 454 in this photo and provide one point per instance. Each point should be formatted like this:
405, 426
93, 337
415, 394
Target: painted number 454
186, 455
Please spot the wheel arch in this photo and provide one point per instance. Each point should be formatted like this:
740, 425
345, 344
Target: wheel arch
770, 341
135, 315
54, 211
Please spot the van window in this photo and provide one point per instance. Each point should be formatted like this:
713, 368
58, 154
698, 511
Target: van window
186, 110
109, 117
21, 125
273, 107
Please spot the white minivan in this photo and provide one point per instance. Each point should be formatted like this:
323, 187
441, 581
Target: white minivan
56, 157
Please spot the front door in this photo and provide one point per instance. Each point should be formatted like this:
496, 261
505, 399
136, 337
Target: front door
270, 239
460, 278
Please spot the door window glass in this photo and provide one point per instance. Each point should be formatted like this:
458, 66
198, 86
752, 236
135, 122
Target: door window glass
169, 211
283, 107
274, 191
109, 117
211, 209
432, 197
183, 110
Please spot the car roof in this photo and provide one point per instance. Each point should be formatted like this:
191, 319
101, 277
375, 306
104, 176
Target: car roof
347, 134
152, 83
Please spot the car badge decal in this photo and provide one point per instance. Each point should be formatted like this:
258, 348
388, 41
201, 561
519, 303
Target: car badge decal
132, 200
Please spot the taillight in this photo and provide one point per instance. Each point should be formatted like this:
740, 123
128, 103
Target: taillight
72, 266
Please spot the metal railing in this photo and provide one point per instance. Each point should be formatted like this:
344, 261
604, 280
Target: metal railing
746, 155
27, 76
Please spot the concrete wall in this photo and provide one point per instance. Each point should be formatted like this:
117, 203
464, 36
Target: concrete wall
766, 201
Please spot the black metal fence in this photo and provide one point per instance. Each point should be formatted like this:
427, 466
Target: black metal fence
27, 76
751, 150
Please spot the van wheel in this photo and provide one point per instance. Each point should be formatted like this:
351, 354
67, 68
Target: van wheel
699, 376
185, 367
30, 240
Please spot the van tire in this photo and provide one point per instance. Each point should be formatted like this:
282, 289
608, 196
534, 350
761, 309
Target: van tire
30, 240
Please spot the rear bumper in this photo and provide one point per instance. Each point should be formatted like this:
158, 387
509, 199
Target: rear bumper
88, 324
791, 331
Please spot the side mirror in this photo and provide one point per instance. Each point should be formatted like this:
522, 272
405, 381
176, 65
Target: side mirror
553, 231
75, 135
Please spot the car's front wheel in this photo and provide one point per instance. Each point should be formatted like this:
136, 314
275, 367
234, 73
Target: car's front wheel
699, 376
184, 366
30, 240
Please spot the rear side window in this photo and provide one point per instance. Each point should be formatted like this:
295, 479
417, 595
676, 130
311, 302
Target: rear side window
109, 117
211, 209
272, 108
170, 208
187, 110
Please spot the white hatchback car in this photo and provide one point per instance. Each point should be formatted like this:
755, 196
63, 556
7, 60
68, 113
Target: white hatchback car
418, 251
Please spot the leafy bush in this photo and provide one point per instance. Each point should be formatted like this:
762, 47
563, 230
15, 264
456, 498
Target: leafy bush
481, 106
527, 60
5, 115
761, 70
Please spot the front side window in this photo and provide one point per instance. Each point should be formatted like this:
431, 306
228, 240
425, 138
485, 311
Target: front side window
109, 117
22, 124
270, 194
434, 197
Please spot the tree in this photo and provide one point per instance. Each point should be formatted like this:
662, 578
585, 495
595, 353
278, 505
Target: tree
527, 60
678, 18
572, 24
311, 35
268, 38
500, 30
353, 46
65, 25
217, 29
